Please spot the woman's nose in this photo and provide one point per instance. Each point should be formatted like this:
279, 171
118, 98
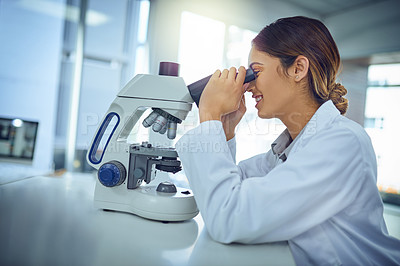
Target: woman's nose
250, 86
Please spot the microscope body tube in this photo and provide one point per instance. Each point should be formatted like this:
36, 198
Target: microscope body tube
196, 88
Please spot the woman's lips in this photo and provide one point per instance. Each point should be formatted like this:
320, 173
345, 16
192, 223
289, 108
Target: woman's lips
258, 98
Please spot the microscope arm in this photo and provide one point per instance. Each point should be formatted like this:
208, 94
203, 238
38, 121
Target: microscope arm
126, 112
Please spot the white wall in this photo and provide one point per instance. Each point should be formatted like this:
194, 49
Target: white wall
30, 44
354, 78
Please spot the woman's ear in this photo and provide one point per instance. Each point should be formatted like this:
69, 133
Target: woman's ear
299, 69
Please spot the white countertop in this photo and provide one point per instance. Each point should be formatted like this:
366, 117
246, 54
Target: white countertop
51, 221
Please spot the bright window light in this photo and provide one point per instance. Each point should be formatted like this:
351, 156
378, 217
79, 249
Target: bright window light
141, 62
201, 46
141, 57
143, 21
239, 45
381, 122
201, 52
384, 74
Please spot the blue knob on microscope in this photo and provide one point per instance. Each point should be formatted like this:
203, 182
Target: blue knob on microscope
112, 174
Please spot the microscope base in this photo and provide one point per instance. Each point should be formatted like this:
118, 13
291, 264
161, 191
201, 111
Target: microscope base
146, 202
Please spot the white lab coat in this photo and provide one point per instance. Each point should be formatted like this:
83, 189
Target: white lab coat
322, 199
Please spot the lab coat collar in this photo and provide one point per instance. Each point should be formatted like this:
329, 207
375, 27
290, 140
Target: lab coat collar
281, 143
282, 146
325, 114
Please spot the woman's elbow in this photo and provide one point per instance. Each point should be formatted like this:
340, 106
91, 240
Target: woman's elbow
218, 227
219, 239
221, 229
224, 237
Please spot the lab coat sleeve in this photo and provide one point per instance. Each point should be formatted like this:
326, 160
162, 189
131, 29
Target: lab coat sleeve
232, 148
256, 165
310, 187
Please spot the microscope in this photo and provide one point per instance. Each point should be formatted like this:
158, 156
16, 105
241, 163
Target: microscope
122, 167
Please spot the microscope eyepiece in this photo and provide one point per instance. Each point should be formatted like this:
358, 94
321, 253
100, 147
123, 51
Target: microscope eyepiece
196, 88
169, 69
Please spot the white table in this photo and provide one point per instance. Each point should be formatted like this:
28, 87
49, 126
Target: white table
51, 221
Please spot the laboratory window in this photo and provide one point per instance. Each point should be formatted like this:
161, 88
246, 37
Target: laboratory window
382, 111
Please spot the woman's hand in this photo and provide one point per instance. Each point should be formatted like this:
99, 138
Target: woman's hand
222, 94
231, 120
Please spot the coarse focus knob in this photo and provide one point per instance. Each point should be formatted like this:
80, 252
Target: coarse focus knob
112, 174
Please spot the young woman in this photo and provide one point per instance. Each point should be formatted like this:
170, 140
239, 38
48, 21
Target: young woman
316, 187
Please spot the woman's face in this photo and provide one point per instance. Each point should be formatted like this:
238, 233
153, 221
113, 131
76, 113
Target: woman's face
272, 90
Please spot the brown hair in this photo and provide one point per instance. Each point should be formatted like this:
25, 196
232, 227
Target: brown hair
287, 38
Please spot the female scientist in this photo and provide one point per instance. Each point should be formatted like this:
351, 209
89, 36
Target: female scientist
316, 186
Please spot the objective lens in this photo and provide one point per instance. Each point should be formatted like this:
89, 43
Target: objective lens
172, 126
159, 123
150, 119
163, 129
